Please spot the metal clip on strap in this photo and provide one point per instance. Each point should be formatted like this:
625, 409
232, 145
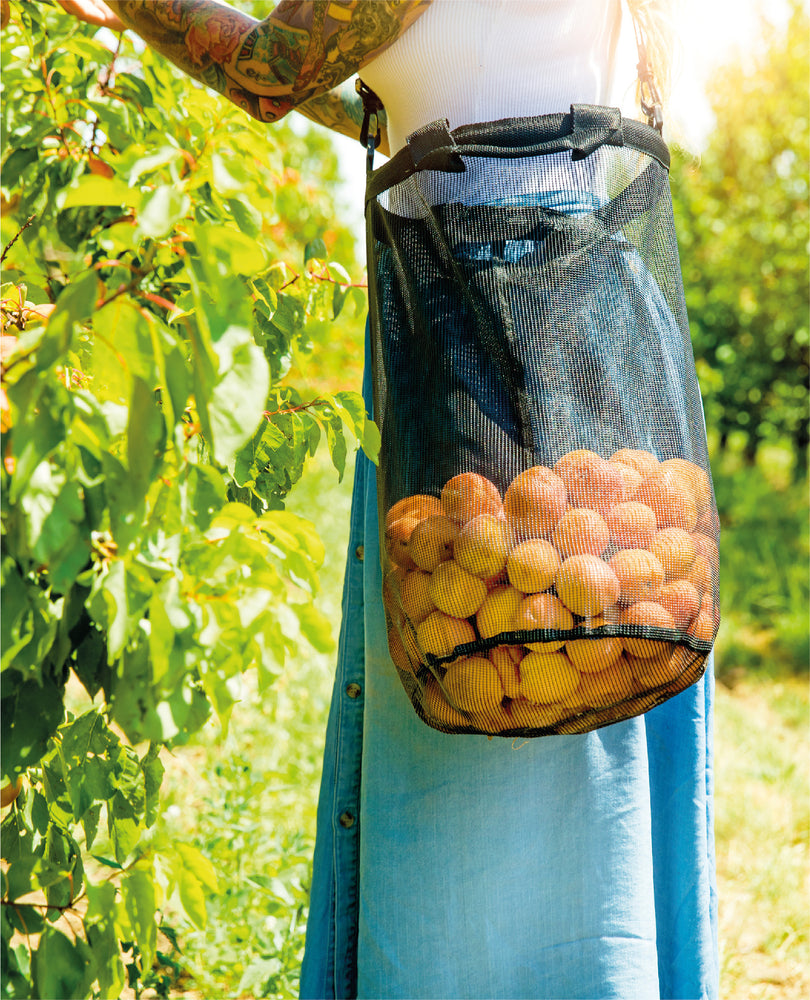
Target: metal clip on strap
372, 106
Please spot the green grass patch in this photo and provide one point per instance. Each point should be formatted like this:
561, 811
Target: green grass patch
762, 828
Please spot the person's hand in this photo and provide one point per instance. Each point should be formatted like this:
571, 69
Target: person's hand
94, 12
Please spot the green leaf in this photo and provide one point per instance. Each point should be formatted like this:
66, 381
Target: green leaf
315, 249
161, 210
78, 300
196, 863
336, 442
146, 437
153, 771
315, 627
95, 190
99, 925
62, 968
237, 400
31, 713
138, 895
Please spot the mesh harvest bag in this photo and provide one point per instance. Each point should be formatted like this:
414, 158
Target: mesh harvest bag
548, 524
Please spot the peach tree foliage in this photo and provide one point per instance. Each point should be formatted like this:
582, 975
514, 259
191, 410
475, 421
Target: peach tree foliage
165, 275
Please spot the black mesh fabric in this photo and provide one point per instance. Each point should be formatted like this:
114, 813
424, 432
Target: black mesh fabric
548, 524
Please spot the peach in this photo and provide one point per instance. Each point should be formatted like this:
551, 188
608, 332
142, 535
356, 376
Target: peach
676, 551
587, 585
431, 541
482, 546
498, 612
543, 611
632, 525
439, 634
532, 565
547, 677
648, 613
419, 506
643, 462
414, 596
455, 591
535, 501
581, 530
590, 655
469, 494
640, 575
590, 480
670, 496
473, 684
681, 599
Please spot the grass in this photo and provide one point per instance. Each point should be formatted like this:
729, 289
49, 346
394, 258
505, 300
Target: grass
762, 827
248, 800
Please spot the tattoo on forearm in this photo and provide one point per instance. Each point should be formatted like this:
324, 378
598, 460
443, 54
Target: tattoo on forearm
300, 53
341, 110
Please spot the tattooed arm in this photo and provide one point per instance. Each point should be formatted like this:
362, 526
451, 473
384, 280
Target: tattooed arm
301, 52
342, 110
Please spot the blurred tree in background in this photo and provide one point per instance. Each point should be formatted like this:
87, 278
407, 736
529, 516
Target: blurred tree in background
742, 221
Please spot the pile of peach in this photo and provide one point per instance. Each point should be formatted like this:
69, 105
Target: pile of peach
627, 540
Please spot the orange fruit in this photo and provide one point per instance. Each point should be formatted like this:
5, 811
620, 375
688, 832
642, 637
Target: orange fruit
703, 627
419, 506
396, 648
528, 715
706, 546
438, 710
710, 608
414, 596
670, 496
455, 591
681, 599
697, 479
708, 522
468, 494
643, 462
701, 575
431, 541
497, 613
397, 538
609, 686
473, 684
594, 654
590, 480
587, 585
581, 530
506, 660
648, 613
663, 666
631, 479
482, 546
547, 677
439, 633
543, 611
632, 525
535, 501
675, 550
391, 590
532, 565
640, 575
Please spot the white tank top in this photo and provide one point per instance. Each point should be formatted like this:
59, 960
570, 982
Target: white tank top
483, 60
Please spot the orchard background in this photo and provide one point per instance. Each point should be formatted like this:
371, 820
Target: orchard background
183, 320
